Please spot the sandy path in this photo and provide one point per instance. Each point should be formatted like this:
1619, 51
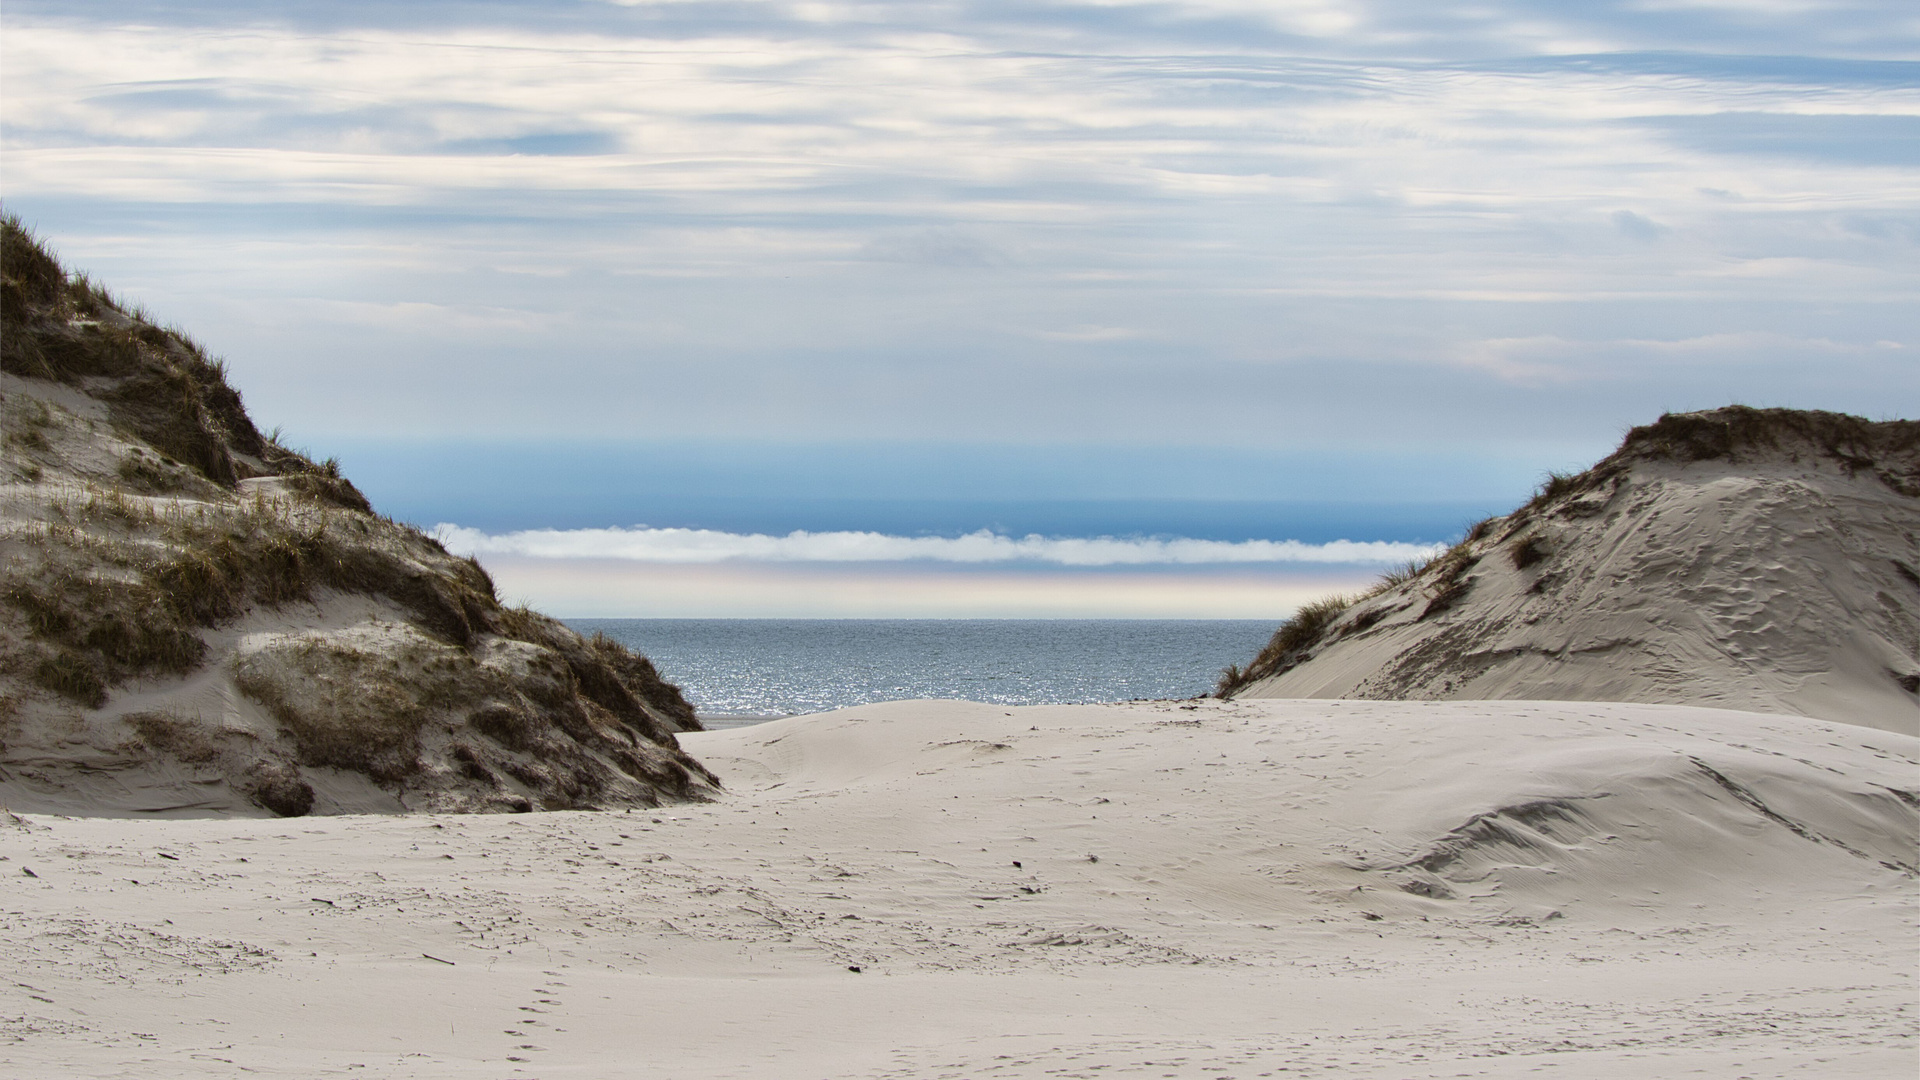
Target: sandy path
1213, 891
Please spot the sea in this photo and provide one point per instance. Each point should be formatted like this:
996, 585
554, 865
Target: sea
744, 671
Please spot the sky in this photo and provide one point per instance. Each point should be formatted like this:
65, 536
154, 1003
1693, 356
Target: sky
740, 308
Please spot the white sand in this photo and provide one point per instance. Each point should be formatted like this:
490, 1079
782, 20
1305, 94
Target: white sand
1668, 891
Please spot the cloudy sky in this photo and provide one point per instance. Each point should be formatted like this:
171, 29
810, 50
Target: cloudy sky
625, 295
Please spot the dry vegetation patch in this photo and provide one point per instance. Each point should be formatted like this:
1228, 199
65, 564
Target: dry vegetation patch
348, 707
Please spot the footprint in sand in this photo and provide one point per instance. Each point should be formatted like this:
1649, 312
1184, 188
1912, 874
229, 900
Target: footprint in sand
544, 997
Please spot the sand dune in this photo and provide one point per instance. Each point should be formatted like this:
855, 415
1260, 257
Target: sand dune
1219, 889
196, 618
1741, 558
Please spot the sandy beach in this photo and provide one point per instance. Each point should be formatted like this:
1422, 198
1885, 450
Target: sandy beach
944, 889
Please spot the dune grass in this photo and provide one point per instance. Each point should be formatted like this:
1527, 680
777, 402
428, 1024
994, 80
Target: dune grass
1443, 573
1302, 629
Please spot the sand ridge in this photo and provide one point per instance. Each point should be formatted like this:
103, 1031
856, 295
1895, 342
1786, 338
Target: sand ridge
1156, 889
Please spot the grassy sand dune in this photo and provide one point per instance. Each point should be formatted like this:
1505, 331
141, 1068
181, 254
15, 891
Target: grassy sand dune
195, 618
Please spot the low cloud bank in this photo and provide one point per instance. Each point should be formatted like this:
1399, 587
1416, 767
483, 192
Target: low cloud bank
641, 544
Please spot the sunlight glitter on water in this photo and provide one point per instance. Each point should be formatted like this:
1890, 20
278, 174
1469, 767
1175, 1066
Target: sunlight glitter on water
744, 670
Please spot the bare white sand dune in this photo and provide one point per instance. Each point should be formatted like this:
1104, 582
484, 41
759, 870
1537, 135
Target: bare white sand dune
1218, 889
1777, 575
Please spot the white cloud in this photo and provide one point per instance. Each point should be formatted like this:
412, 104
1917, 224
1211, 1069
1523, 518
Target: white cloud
641, 544
615, 589
1552, 360
1092, 334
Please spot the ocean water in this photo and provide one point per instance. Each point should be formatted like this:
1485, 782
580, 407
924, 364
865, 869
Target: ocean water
740, 670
